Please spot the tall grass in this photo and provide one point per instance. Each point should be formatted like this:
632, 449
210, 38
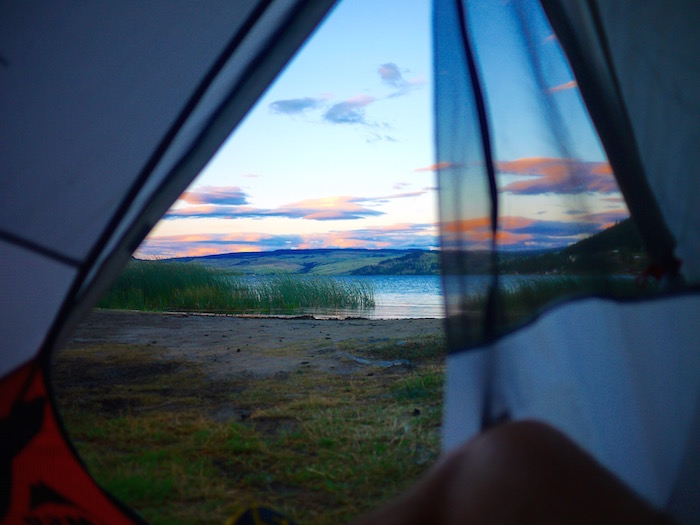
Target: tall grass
160, 286
525, 297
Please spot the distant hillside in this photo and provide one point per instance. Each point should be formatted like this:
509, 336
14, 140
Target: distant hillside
624, 236
325, 262
413, 263
615, 250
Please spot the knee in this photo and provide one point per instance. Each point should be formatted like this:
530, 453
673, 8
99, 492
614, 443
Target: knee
528, 472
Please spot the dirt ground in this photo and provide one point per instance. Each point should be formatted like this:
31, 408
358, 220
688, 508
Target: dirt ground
228, 346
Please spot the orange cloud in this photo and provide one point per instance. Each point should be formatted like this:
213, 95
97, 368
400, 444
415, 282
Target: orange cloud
435, 167
405, 235
571, 84
557, 175
484, 224
226, 195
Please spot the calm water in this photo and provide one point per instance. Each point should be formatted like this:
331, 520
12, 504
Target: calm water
395, 296
403, 296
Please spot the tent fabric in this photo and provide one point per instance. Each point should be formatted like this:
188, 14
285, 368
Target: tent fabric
41, 478
553, 183
640, 60
109, 110
601, 372
618, 373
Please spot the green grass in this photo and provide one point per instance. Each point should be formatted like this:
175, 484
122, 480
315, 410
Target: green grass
161, 286
319, 447
533, 293
536, 292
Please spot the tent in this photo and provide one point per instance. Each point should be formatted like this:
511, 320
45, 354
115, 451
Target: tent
109, 110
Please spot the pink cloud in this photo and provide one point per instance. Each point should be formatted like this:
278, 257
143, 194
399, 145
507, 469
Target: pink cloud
515, 232
322, 209
571, 84
349, 111
327, 208
435, 167
391, 236
228, 195
556, 175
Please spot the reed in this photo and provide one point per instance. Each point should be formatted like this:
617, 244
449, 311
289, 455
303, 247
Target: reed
527, 296
161, 286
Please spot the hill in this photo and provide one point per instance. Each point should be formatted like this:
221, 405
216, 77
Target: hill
352, 261
617, 249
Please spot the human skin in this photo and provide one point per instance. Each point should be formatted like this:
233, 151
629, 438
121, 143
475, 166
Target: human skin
517, 473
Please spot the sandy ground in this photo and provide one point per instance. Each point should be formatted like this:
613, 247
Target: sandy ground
228, 346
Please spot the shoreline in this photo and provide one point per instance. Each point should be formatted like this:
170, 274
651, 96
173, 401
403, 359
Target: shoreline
303, 317
224, 345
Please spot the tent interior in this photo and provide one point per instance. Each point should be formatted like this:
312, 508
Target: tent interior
109, 110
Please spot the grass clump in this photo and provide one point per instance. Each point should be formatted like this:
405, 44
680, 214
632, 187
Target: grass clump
161, 286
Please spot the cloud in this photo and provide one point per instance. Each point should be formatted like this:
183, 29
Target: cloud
607, 219
229, 195
327, 209
571, 84
400, 195
519, 233
295, 106
213, 211
392, 76
339, 208
435, 167
401, 236
556, 175
335, 208
210, 244
350, 111
401, 185
617, 200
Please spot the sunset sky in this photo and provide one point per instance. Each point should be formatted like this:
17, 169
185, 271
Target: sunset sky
339, 153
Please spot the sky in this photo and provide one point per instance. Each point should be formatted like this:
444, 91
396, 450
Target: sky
339, 152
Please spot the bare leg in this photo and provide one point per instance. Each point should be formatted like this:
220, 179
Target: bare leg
517, 473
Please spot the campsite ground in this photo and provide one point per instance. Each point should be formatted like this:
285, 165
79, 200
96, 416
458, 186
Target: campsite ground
189, 418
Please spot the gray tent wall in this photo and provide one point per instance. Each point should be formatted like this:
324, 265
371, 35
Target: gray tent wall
108, 111
620, 378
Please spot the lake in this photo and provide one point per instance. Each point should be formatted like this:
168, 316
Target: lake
395, 296
400, 297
